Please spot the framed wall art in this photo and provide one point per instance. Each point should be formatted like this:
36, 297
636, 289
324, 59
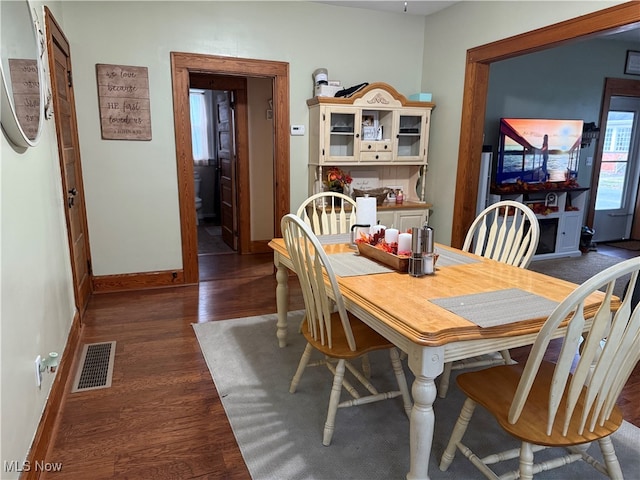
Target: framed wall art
632, 65
123, 95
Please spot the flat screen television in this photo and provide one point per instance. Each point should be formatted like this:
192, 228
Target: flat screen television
535, 150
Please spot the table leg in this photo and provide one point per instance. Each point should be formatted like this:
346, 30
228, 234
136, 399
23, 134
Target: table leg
282, 302
426, 363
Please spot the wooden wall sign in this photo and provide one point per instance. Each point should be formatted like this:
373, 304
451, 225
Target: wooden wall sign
123, 94
25, 85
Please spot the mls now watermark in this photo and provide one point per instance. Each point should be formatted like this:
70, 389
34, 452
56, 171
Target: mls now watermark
27, 466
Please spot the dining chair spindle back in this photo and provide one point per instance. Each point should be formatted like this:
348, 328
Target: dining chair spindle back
561, 398
328, 213
329, 329
508, 232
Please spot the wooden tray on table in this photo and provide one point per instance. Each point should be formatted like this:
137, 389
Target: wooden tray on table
401, 264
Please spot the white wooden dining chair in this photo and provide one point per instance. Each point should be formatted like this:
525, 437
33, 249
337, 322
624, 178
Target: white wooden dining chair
336, 334
508, 232
570, 402
328, 213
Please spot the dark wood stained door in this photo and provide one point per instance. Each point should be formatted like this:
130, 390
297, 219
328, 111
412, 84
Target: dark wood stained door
69, 153
226, 154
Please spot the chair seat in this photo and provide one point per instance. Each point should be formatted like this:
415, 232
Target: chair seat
531, 427
368, 340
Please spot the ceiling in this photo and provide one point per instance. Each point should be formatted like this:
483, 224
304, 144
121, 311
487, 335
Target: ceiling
424, 8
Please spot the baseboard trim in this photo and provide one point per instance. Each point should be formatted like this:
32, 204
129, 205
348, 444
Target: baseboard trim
50, 419
137, 281
260, 246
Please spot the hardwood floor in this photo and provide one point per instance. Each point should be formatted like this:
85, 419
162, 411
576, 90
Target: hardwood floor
162, 417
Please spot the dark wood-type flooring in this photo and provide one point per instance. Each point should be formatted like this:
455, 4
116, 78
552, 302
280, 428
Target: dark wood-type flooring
162, 417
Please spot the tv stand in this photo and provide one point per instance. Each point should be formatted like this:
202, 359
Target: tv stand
560, 213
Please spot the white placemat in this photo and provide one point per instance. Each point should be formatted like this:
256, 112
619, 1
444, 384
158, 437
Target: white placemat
498, 308
447, 258
350, 264
334, 239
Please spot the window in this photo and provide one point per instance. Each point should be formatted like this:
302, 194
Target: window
199, 101
613, 170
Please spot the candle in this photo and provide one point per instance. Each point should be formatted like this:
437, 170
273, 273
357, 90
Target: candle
376, 229
404, 244
391, 235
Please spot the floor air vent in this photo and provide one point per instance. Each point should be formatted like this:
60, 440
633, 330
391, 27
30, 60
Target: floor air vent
96, 367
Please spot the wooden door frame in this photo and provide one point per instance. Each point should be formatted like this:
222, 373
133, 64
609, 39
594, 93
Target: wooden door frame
55, 34
181, 65
615, 19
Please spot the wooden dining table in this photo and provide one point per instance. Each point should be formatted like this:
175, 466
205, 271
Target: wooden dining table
470, 306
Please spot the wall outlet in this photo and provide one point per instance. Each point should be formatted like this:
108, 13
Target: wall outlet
38, 363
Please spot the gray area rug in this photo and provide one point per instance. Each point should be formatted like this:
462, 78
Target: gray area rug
580, 269
280, 434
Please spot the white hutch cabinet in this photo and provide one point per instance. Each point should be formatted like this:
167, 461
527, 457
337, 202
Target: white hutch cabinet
376, 132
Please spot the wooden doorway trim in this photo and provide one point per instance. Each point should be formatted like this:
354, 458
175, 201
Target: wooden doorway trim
181, 65
75, 210
615, 19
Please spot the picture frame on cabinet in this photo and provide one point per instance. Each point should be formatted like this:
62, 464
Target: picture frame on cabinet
369, 133
370, 119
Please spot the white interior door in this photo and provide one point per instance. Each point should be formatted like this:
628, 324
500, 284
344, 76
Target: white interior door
619, 172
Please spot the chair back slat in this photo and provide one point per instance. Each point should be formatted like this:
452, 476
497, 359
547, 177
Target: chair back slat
328, 213
311, 265
593, 372
506, 231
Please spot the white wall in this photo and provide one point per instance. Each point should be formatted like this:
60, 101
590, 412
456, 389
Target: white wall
448, 35
37, 304
131, 187
260, 91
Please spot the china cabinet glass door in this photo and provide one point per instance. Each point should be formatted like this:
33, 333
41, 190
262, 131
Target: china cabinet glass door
342, 135
410, 138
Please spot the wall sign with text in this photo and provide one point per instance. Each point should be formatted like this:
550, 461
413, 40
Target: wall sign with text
123, 95
26, 94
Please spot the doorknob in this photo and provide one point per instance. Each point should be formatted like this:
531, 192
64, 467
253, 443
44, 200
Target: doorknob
70, 199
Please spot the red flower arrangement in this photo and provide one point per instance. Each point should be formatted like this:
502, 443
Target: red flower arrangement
337, 178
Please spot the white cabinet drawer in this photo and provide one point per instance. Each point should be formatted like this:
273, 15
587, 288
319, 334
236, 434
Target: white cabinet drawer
375, 146
376, 156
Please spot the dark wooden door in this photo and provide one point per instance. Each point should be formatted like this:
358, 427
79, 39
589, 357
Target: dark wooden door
227, 162
69, 153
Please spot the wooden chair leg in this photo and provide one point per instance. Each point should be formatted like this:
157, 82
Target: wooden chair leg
366, 366
610, 458
402, 380
304, 360
445, 377
526, 461
334, 400
506, 356
457, 433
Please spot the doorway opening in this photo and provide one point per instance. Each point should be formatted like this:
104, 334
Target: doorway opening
185, 64
614, 19
613, 211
